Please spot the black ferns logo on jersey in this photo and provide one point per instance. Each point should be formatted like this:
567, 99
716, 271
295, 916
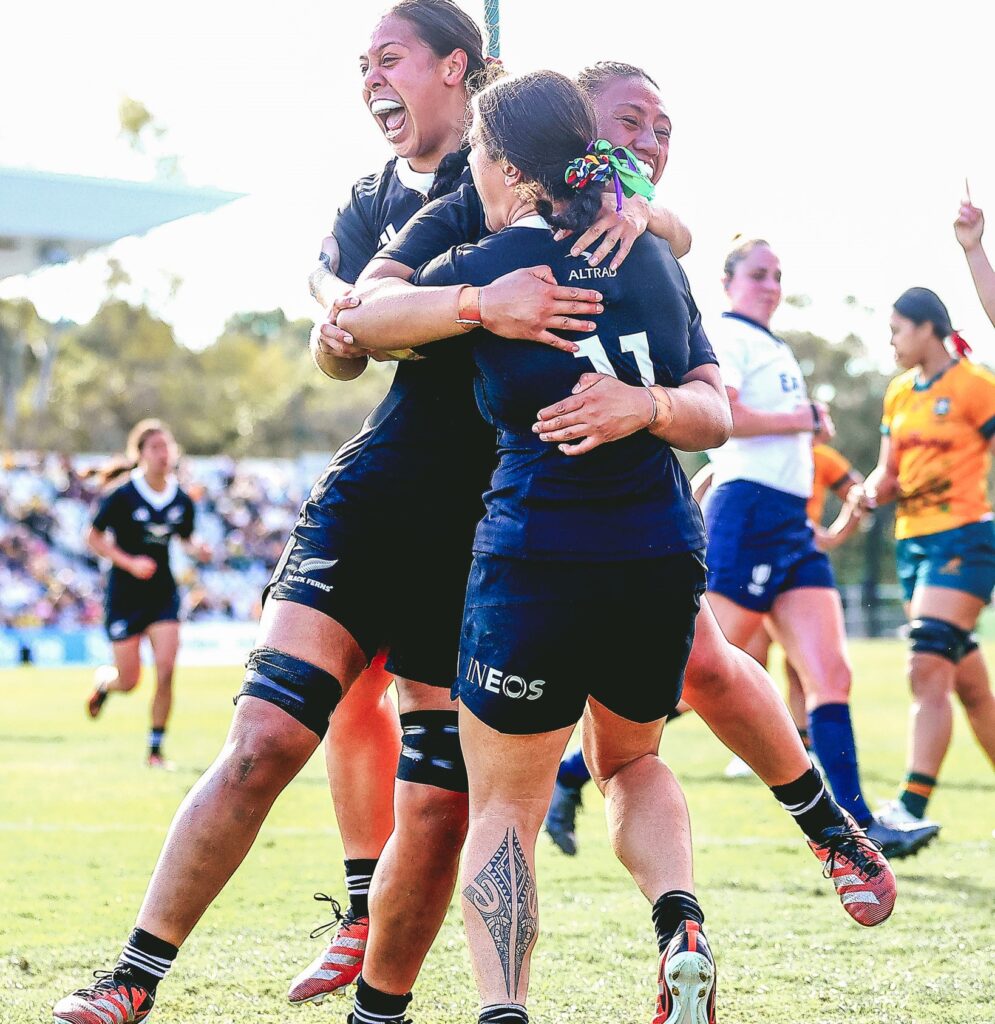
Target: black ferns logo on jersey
507, 684
307, 569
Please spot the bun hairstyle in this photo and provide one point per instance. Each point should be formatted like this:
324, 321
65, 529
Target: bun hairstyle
540, 122
595, 77
443, 26
740, 253
137, 436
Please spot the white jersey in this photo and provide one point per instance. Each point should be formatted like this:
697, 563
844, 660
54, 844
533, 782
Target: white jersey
763, 369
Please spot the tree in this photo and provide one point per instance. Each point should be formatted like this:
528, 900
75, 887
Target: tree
845, 378
146, 135
22, 343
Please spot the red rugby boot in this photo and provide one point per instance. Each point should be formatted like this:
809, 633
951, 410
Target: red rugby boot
105, 1002
686, 979
339, 965
859, 870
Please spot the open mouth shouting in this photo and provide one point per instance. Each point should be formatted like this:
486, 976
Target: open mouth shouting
392, 117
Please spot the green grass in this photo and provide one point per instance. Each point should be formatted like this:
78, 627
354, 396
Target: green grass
82, 820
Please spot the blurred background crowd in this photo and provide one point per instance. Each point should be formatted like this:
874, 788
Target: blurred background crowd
245, 510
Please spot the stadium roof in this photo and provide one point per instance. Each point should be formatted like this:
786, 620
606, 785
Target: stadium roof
50, 218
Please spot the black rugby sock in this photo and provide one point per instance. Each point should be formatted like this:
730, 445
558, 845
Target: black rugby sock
670, 910
155, 740
375, 1007
145, 959
358, 875
809, 802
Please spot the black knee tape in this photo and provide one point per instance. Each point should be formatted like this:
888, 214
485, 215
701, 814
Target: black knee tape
934, 636
303, 690
430, 750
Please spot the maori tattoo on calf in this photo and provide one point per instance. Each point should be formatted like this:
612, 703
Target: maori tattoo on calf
504, 894
526, 906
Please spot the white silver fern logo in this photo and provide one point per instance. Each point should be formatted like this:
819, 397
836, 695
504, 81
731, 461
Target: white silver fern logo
760, 579
310, 565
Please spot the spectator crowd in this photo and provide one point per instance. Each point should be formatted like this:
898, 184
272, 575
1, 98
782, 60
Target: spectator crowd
48, 577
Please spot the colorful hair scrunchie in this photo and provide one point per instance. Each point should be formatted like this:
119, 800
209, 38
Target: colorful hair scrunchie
605, 162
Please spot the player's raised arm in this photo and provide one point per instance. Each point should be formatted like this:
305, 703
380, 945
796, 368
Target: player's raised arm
969, 227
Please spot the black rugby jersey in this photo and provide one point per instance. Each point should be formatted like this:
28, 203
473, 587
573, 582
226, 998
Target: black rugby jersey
379, 206
626, 499
424, 454
452, 220
143, 522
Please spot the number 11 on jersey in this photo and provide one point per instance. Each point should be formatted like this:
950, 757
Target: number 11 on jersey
638, 344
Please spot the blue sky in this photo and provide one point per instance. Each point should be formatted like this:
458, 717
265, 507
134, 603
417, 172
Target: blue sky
842, 133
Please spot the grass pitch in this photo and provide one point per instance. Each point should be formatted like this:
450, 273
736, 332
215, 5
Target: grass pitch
82, 820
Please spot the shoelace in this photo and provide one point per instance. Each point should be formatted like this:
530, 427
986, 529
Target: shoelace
105, 983
851, 843
338, 919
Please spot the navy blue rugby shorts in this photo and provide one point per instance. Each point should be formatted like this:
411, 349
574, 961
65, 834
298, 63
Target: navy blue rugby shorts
540, 637
760, 545
124, 617
402, 593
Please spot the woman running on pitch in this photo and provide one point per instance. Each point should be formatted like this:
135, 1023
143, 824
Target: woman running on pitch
132, 530
937, 435
354, 579
762, 556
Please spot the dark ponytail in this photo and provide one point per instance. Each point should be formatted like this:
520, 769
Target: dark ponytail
540, 122
110, 471
577, 215
450, 168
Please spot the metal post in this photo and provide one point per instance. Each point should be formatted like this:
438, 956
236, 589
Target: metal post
871, 599
492, 21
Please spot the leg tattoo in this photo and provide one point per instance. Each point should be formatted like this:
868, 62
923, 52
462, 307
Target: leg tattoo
527, 907
504, 894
